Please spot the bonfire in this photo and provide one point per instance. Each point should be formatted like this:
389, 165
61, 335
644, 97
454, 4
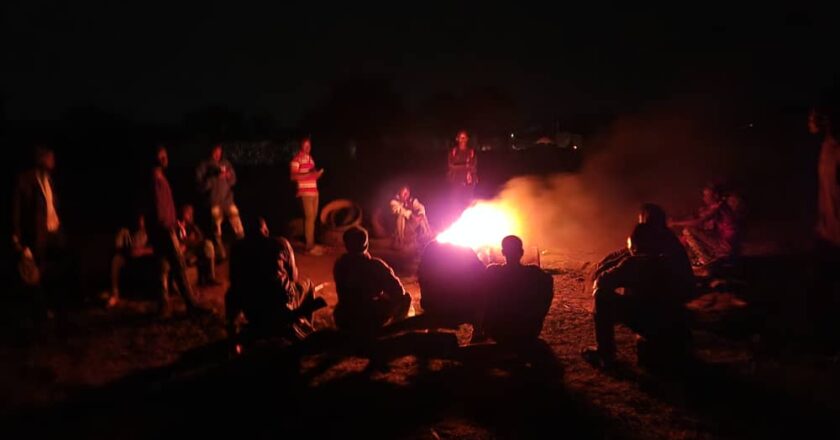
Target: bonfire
482, 227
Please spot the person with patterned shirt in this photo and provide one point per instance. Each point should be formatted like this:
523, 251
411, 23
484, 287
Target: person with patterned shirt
303, 172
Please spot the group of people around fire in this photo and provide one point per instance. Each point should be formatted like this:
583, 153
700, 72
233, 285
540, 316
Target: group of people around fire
644, 285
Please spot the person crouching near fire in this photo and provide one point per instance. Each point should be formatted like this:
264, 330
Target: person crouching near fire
409, 212
370, 295
518, 298
655, 288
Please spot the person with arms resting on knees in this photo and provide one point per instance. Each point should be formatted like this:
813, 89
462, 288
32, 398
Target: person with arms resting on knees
713, 234
197, 250
646, 291
132, 251
409, 212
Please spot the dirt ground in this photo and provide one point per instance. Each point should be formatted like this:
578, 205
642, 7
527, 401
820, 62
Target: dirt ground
123, 373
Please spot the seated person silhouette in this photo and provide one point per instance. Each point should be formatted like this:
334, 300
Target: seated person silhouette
197, 249
713, 234
518, 297
265, 288
452, 290
134, 257
665, 241
369, 294
655, 289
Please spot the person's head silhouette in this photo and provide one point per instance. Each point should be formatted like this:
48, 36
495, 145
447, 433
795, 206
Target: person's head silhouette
512, 249
356, 240
653, 214
643, 239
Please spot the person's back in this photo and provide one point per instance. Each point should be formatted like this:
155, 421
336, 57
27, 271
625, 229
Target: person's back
369, 293
451, 282
656, 280
360, 279
519, 297
254, 272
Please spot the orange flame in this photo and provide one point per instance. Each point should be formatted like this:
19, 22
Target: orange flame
482, 225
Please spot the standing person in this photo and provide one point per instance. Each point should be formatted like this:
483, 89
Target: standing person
164, 238
408, 211
197, 250
303, 172
36, 226
215, 178
462, 172
824, 300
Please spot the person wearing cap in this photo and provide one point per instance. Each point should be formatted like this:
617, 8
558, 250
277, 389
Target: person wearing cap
370, 295
647, 292
518, 299
216, 178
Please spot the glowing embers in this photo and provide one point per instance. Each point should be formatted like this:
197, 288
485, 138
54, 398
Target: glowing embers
482, 225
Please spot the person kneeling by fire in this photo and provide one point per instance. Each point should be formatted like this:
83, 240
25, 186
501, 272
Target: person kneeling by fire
646, 291
266, 289
408, 211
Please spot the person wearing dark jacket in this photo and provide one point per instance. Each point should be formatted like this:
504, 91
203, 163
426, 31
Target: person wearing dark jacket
36, 225
369, 293
654, 288
216, 178
518, 298
164, 239
265, 287
35, 221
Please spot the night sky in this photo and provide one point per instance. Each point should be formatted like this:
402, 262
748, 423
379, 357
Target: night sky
156, 62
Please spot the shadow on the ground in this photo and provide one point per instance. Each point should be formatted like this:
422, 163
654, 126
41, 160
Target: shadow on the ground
269, 392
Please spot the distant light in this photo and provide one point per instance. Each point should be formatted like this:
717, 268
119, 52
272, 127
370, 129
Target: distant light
511, 135
751, 125
574, 147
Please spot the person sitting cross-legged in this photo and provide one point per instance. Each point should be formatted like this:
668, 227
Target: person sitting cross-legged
518, 297
369, 293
